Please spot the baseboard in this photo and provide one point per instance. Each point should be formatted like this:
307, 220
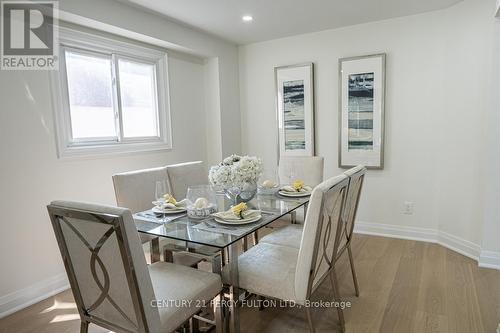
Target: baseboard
35, 293
489, 259
396, 231
459, 245
454, 243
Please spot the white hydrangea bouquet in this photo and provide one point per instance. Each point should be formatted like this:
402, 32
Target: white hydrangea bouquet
238, 175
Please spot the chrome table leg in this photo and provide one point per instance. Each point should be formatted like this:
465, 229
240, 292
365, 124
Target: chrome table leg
234, 293
155, 249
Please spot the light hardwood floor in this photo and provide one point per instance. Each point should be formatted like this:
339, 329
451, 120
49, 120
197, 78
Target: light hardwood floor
406, 286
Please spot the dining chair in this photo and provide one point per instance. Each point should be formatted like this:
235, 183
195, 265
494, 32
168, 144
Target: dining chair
135, 190
291, 235
183, 175
306, 168
112, 285
294, 274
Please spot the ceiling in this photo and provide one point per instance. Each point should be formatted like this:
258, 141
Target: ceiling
280, 18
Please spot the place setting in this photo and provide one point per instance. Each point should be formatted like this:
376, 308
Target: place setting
298, 189
237, 220
164, 206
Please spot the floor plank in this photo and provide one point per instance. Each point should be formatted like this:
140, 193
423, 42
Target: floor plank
406, 286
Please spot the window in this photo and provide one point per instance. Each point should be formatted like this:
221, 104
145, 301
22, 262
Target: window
111, 96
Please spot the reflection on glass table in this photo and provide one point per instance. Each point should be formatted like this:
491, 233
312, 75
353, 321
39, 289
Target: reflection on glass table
208, 231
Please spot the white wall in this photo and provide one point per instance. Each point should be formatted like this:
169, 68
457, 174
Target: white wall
437, 65
491, 228
203, 81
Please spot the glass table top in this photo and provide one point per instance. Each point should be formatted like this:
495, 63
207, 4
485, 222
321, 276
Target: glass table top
208, 231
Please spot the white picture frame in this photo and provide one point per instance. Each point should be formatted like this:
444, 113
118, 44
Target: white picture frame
361, 111
295, 109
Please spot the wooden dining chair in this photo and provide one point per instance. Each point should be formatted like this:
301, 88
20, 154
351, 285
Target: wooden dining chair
291, 235
111, 283
288, 273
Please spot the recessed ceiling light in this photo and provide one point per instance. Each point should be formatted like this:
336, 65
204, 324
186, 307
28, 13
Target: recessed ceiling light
247, 18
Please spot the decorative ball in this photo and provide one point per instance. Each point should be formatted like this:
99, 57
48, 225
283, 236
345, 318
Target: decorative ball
268, 183
201, 203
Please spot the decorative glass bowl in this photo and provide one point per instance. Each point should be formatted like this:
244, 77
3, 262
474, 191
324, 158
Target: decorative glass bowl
268, 183
201, 201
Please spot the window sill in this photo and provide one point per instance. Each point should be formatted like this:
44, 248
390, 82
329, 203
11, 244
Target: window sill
90, 151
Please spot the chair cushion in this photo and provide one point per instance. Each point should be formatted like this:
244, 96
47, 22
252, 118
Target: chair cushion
173, 282
268, 270
287, 236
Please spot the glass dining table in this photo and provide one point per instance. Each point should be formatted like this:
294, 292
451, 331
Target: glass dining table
224, 239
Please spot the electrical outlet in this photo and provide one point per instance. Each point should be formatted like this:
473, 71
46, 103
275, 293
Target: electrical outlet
408, 208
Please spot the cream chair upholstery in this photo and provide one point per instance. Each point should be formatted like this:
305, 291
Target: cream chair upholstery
136, 189
183, 175
291, 235
289, 273
307, 168
111, 283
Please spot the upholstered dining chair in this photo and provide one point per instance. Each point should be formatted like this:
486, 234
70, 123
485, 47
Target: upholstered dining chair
135, 190
294, 274
306, 168
183, 175
111, 283
291, 235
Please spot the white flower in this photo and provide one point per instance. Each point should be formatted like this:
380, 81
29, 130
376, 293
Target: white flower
236, 171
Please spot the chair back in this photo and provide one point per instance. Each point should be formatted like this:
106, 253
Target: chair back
307, 168
320, 238
356, 178
105, 265
183, 175
135, 190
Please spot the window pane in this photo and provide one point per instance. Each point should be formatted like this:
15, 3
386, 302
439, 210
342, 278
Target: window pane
90, 96
138, 99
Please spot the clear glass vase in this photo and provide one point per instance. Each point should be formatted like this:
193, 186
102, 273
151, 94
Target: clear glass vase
238, 194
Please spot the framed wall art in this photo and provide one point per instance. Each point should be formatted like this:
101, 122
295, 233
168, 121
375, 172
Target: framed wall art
361, 111
295, 109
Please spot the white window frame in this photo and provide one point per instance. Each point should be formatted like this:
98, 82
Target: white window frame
96, 45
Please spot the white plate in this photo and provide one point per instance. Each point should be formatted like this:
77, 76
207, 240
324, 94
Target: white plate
168, 211
294, 195
238, 222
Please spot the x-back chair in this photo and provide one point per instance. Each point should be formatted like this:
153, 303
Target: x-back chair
111, 283
294, 274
